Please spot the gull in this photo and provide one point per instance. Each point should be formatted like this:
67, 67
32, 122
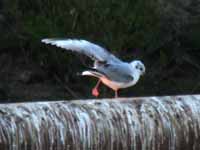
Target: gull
110, 70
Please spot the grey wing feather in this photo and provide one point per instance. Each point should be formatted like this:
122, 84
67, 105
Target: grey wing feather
85, 47
117, 72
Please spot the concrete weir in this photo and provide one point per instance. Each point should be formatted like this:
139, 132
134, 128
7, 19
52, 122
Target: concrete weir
142, 123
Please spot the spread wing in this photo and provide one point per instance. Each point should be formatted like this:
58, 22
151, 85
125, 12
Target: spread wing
117, 72
95, 52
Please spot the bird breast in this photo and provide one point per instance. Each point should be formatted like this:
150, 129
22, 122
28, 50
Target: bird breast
117, 85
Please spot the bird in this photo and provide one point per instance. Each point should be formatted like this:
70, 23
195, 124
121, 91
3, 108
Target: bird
109, 69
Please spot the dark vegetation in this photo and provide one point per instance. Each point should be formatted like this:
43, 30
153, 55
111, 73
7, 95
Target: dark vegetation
164, 34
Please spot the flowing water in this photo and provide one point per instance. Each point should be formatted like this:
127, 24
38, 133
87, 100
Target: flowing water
146, 123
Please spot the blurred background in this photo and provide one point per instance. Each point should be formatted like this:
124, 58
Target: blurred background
164, 34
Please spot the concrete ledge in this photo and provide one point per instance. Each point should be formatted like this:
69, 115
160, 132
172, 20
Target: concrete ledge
143, 123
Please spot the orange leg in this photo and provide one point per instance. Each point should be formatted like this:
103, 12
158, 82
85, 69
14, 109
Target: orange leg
95, 91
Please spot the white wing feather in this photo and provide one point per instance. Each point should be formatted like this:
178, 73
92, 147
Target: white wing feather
92, 50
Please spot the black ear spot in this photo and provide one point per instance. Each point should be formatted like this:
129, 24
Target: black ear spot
106, 65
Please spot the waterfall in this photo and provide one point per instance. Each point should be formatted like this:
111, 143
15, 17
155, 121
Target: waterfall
141, 123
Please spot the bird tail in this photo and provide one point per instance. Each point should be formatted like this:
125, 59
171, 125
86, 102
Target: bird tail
92, 73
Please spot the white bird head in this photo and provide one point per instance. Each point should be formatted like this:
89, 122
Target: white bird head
139, 66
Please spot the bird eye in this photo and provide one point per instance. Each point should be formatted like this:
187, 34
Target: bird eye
136, 67
141, 69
